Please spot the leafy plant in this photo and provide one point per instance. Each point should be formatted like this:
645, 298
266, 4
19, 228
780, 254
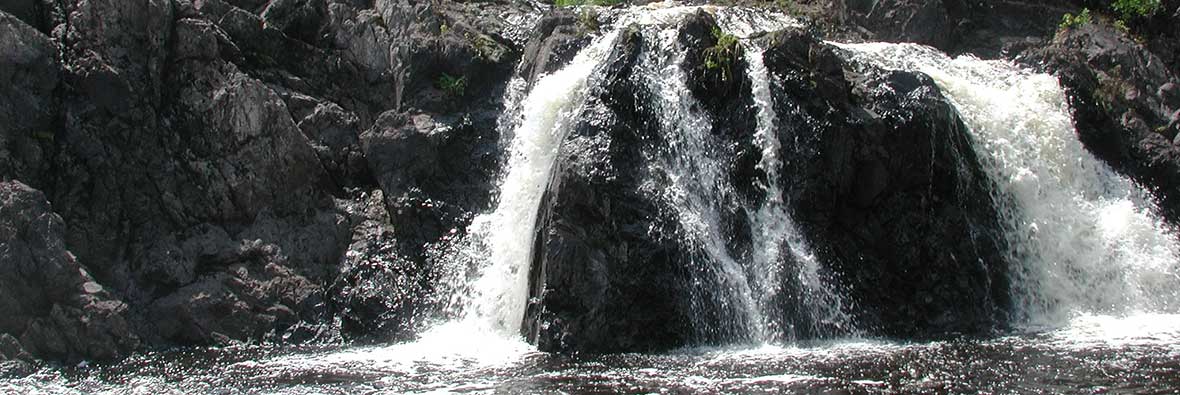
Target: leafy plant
1122, 26
588, 21
1069, 21
451, 85
484, 45
1128, 9
721, 55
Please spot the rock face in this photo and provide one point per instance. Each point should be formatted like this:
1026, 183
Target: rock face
1126, 105
212, 165
608, 272
53, 308
887, 188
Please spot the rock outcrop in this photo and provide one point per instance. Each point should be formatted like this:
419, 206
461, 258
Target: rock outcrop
53, 308
1126, 104
886, 186
212, 164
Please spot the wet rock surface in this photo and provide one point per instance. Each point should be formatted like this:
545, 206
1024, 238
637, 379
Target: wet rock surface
180, 172
1125, 104
882, 180
53, 308
211, 163
886, 187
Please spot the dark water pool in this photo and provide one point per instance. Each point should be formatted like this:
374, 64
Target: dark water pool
1136, 355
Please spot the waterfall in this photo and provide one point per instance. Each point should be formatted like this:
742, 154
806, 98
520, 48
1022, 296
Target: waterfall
498, 248
501, 240
1084, 239
773, 229
699, 190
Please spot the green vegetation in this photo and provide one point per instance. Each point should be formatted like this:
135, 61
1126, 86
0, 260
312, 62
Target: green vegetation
721, 55
574, 3
485, 46
1069, 21
1129, 9
588, 21
1126, 10
43, 135
451, 85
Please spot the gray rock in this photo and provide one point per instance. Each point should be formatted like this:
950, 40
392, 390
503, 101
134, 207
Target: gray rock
51, 303
28, 76
1100, 67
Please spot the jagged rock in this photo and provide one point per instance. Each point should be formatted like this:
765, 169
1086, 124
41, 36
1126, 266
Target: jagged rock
297, 19
886, 187
921, 21
608, 273
257, 298
50, 302
558, 38
30, 12
28, 77
1110, 80
435, 172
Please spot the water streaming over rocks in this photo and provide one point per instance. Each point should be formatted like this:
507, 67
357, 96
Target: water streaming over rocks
1088, 240
741, 222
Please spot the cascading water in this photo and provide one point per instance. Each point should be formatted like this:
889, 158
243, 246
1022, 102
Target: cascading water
498, 297
771, 225
1085, 244
698, 190
1087, 240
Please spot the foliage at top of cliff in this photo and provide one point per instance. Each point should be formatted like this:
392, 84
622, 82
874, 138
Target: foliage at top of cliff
572, 3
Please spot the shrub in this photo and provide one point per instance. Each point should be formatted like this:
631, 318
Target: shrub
1129, 9
588, 21
572, 3
1071, 21
720, 55
451, 85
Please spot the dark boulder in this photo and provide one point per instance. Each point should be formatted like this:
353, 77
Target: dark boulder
886, 186
378, 295
608, 272
614, 269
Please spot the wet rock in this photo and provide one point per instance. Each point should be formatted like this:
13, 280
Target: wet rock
435, 172
51, 303
888, 191
1103, 70
256, 298
608, 272
557, 40
920, 21
28, 77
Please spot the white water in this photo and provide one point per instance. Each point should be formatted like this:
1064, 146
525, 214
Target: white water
499, 295
1087, 240
772, 227
699, 190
